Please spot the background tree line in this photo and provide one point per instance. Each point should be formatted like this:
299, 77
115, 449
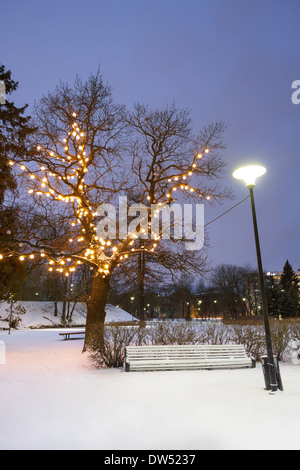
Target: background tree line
231, 293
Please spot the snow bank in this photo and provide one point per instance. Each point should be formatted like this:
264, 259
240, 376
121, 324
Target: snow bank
52, 398
41, 314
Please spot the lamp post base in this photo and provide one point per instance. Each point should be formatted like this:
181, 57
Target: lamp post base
266, 365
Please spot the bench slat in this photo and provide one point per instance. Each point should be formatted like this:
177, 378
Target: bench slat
189, 363
187, 346
190, 356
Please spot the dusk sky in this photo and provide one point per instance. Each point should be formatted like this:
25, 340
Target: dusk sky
230, 60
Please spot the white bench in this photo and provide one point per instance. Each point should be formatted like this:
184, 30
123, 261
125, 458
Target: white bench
176, 357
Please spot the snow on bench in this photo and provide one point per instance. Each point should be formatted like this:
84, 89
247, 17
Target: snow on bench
178, 357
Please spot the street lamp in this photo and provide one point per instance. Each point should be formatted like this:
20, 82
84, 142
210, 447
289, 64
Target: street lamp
249, 174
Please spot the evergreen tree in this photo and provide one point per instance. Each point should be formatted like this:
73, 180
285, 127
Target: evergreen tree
289, 283
14, 129
273, 296
289, 279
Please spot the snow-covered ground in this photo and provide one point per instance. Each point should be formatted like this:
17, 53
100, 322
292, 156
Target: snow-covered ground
41, 314
53, 398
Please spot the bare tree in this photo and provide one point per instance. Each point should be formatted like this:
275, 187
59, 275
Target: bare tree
236, 287
78, 161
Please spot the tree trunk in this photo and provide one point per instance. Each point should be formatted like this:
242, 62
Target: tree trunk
63, 315
94, 334
71, 311
141, 284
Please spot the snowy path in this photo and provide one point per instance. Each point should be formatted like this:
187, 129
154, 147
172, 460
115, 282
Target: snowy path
52, 398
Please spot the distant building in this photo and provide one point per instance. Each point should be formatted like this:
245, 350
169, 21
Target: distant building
277, 274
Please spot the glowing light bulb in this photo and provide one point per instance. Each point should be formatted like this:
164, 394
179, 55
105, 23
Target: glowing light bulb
249, 174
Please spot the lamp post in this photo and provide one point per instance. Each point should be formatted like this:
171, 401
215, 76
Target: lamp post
249, 174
